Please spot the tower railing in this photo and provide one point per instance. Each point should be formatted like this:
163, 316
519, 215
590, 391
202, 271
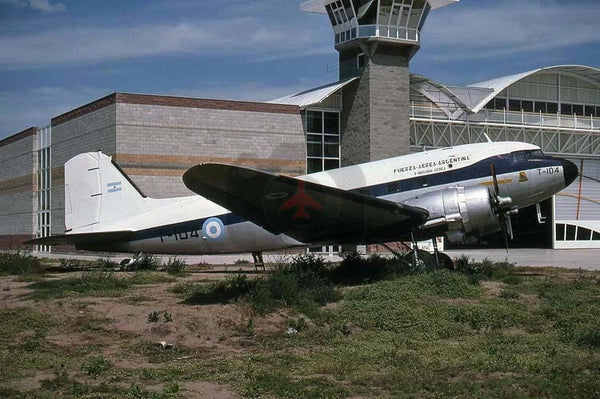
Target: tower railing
381, 31
510, 118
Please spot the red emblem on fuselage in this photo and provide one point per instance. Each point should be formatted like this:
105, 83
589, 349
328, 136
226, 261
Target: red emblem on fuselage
302, 201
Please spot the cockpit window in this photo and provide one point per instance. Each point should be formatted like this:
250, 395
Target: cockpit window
519, 156
536, 153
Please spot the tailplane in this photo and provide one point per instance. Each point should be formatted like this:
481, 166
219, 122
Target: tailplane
98, 192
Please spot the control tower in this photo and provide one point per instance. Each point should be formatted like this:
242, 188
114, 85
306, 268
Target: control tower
376, 40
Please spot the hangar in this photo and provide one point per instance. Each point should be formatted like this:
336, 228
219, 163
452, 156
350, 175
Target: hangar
377, 109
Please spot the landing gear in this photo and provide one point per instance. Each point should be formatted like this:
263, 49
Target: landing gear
258, 261
415, 250
421, 259
128, 264
441, 259
445, 261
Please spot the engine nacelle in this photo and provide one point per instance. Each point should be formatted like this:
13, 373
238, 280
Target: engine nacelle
459, 211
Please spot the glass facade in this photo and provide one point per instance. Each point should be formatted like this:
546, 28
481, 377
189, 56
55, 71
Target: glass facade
393, 19
550, 94
322, 140
573, 232
44, 185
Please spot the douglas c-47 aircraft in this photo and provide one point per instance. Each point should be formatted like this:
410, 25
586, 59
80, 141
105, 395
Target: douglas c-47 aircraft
460, 192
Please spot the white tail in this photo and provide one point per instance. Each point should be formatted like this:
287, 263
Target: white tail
98, 192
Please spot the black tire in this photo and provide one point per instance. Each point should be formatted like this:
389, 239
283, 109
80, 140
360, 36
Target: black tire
446, 262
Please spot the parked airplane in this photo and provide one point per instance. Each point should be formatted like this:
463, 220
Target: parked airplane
461, 192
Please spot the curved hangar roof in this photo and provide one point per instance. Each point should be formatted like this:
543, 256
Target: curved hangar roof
497, 85
470, 99
474, 97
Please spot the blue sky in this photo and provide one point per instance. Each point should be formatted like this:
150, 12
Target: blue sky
56, 55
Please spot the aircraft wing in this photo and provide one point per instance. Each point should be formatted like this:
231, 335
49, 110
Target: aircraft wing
306, 211
86, 240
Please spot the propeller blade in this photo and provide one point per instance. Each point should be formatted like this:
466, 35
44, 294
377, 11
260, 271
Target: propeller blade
509, 227
503, 227
495, 179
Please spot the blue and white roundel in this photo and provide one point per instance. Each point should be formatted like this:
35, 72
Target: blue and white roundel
213, 228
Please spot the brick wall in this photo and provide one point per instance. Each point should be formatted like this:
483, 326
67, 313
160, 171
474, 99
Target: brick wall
156, 144
88, 131
376, 109
17, 186
15, 241
155, 139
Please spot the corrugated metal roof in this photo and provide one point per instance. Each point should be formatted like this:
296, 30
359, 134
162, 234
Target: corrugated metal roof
312, 96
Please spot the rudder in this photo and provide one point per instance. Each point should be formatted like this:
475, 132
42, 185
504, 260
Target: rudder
97, 193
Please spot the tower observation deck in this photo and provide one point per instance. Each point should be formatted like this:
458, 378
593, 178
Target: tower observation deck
375, 40
399, 21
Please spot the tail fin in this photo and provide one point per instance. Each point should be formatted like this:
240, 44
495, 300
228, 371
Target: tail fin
98, 192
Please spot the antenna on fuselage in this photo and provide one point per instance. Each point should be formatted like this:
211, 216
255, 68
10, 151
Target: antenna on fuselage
488, 138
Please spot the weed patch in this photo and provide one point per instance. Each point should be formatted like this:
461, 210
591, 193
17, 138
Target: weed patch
95, 365
19, 263
175, 266
354, 269
92, 283
226, 291
145, 277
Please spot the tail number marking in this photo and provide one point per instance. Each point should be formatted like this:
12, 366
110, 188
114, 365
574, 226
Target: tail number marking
548, 171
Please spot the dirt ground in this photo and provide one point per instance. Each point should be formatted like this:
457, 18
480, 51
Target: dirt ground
205, 331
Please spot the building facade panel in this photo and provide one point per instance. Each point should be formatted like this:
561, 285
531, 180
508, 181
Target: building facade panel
158, 140
17, 188
86, 132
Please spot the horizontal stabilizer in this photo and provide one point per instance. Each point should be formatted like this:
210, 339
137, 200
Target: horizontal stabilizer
84, 240
306, 211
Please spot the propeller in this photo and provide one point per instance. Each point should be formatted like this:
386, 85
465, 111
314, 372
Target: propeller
502, 207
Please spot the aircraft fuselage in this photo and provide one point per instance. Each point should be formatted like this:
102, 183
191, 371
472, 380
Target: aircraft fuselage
195, 225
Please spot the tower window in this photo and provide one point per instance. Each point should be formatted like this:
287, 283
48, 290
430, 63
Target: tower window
360, 61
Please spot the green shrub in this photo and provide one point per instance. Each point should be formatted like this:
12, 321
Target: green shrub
17, 262
508, 294
145, 277
226, 291
95, 365
487, 269
145, 262
175, 266
148, 262
447, 284
71, 264
106, 263
304, 284
355, 269
94, 283
153, 316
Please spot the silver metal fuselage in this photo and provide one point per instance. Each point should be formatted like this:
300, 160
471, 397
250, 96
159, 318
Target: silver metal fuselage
201, 227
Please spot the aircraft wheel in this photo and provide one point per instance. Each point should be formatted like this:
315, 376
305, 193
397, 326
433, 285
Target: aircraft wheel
125, 264
446, 261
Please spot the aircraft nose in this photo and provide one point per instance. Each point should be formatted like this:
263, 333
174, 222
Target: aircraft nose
570, 171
